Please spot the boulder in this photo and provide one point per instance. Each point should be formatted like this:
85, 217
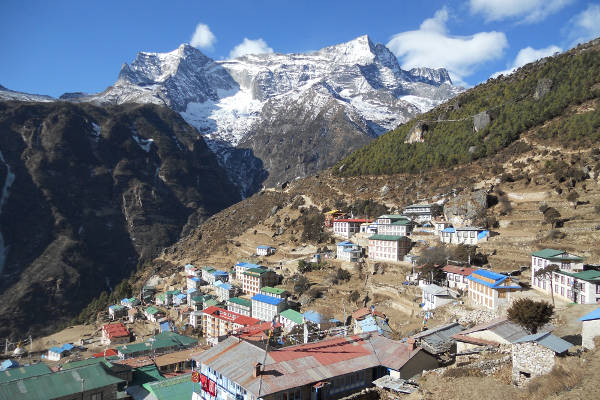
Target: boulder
416, 134
466, 208
543, 88
481, 121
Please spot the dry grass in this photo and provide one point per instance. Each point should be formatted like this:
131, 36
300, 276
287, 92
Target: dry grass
566, 374
462, 373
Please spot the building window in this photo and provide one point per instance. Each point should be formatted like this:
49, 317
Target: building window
96, 396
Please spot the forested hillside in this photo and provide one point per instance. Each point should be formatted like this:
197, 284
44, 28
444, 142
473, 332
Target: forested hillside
489, 117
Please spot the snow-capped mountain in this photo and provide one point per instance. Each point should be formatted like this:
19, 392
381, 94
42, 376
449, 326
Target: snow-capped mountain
7, 94
227, 100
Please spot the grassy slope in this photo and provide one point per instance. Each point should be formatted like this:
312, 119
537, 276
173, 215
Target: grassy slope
575, 77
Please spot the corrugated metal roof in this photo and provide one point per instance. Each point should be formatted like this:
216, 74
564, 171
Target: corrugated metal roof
390, 238
547, 340
547, 253
590, 316
177, 388
263, 298
12, 374
292, 315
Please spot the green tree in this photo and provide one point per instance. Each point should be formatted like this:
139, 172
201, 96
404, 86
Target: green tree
530, 314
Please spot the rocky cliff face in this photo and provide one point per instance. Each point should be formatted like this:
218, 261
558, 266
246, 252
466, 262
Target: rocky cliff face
341, 95
87, 194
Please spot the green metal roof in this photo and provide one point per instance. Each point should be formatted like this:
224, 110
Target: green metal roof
272, 290
590, 275
210, 302
255, 271
547, 253
178, 388
12, 374
146, 374
173, 292
152, 310
401, 222
386, 237
293, 315
59, 384
208, 269
162, 340
392, 216
89, 361
241, 302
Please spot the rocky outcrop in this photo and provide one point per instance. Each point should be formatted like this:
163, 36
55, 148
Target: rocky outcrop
417, 133
95, 191
543, 87
466, 208
481, 121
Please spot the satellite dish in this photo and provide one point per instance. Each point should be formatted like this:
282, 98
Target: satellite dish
19, 351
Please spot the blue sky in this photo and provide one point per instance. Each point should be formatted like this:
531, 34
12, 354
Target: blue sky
52, 47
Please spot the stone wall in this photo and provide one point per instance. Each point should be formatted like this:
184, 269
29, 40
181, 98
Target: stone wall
532, 359
589, 331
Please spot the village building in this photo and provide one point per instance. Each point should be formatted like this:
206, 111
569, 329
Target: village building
153, 314
348, 226
263, 250
17, 372
225, 290
577, 287
439, 225
218, 323
466, 235
332, 215
130, 302
290, 318
456, 276
499, 332
266, 308
190, 269
420, 212
368, 228
164, 342
490, 289
393, 224
240, 306
115, 334
388, 247
56, 353
542, 258
590, 328
193, 282
177, 361
328, 369
373, 323
117, 311
365, 317
348, 251
439, 340
275, 292
242, 267
179, 299
254, 279
99, 383
534, 355
434, 296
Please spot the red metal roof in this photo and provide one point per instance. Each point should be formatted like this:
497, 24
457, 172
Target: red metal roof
109, 353
230, 316
115, 330
326, 352
455, 269
363, 312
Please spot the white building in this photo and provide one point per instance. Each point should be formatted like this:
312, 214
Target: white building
577, 287
457, 276
290, 318
348, 226
348, 251
388, 247
240, 305
242, 267
224, 290
434, 296
265, 250
542, 258
397, 225
440, 225
590, 328
420, 212
193, 282
465, 235
490, 289
266, 308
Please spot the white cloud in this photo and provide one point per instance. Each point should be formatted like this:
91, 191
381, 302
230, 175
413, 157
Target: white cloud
585, 25
203, 38
527, 55
432, 46
527, 11
249, 46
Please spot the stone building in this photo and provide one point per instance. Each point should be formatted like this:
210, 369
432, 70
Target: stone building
534, 355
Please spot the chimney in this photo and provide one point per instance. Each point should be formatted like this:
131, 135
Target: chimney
256, 371
410, 342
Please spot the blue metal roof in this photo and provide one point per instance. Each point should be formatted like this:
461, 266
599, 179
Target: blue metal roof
247, 265
449, 230
590, 316
217, 272
315, 317
262, 246
225, 286
482, 234
498, 278
267, 299
372, 324
547, 340
345, 243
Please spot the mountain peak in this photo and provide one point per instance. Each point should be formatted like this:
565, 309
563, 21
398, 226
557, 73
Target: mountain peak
360, 50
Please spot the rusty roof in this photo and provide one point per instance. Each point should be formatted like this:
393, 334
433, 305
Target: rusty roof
177, 356
455, 269
303, 364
